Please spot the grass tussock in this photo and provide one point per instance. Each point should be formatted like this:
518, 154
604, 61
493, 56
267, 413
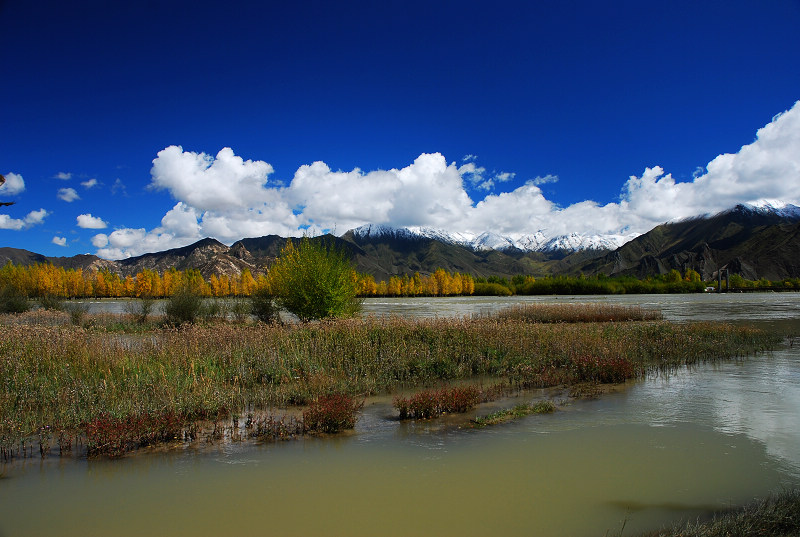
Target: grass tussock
331, 413
431, 403
776, 516
60, 381
510, 414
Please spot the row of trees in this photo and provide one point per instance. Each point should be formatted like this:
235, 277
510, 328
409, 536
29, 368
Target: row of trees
671, 282
45, 279
737, 282
440, 283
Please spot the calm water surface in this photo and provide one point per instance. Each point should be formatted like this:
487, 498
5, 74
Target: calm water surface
663, 449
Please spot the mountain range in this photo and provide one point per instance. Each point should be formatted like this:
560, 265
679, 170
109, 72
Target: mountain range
755, 241
536, 242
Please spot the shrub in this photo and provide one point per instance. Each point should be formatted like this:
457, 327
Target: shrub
51, 302
315, 280
184, 306
331, 414
12, 300
430, 403
240, 308
212, 308
113, 436
604, 371
262, 305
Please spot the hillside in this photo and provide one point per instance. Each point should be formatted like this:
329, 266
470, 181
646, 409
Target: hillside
746, 240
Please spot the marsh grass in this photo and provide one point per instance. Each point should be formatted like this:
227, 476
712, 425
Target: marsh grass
67, 377
77, 312
777, 516
272, 428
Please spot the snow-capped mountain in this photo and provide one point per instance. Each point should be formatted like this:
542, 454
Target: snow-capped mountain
488, 240
776, 207
576, 242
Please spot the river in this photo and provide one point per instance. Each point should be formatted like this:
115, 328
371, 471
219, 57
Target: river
665, 448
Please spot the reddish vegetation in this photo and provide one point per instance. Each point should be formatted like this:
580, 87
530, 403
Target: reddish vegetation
604, 371
431, 403
331, 414
108, 435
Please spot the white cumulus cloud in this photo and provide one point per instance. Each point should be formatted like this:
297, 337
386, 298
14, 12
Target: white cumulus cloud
87, 221
89, 183
31, 219
123, 243
64, 176
36, 217
14, 185
100, 240
211, 183
59, 241
68, 194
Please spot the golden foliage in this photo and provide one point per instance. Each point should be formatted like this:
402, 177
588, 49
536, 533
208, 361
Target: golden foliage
45, 279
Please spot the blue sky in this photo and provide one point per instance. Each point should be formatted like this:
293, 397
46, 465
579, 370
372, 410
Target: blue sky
134, 128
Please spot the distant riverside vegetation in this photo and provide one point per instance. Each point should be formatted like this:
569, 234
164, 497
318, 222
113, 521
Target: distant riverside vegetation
45, 279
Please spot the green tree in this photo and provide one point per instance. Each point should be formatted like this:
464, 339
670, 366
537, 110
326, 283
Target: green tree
673, 276
315, 280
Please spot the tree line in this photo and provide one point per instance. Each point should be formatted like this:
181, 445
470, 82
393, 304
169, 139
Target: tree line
45, 279
673, 282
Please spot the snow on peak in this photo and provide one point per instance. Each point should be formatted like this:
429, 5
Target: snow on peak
450, 237
776, 207
576, 242
492, 241
489, 240
375, 231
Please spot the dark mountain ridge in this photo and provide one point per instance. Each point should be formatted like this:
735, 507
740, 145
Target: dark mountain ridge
750, 242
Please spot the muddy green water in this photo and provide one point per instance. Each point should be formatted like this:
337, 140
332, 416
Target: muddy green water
663, 449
